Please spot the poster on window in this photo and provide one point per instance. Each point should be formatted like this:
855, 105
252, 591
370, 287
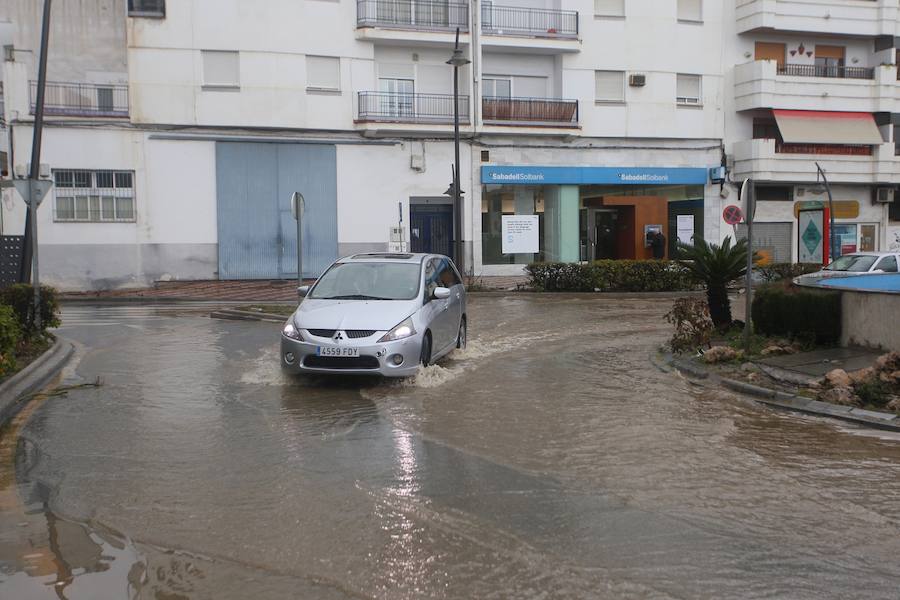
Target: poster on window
521, 234
685, 229
811, 237
845, 236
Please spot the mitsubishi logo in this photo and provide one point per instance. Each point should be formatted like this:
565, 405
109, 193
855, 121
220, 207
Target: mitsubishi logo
338, 336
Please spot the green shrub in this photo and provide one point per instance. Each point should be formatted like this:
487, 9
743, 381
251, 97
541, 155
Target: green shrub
10, 335
783, 309
778, 271
20, 297
610, 276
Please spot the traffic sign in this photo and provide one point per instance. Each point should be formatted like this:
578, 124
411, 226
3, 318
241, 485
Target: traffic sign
732, 214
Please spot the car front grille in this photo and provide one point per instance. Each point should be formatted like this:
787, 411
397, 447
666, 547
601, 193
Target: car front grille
351, 333
340, 362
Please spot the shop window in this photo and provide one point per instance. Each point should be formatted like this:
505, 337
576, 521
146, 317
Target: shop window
221, 69
688, 90
609, 8
500, 201
323, 73
845, 235
690, 11
609, 86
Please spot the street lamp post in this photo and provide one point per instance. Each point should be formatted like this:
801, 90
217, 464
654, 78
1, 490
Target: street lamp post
834, 251
457, 61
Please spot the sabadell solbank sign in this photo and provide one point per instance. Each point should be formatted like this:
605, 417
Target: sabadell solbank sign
518, 175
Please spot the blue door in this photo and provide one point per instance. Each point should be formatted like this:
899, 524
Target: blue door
431, 228
257, 234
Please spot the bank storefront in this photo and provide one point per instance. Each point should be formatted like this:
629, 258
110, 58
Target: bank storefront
574, 214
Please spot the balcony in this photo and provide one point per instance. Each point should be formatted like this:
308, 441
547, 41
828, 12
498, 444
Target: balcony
82, 99
419, 109
423, 21
529, 22
768, 160
868, 18
531, 112
764, 84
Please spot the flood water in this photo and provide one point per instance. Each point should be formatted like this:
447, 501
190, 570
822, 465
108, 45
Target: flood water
550, 459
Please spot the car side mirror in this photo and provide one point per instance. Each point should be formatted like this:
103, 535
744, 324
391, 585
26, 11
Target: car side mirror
302, 291
441, 293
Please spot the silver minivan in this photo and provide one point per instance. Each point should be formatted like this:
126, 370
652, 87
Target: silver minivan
377, 313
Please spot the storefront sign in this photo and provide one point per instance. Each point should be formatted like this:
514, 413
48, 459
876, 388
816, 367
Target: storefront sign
843, 209
811, 225
504, 175
685, 229
520, 234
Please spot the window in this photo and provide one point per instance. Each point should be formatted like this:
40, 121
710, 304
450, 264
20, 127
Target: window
894, 213
396, 97
609, 86
774, 193
221, 69
146, 8
609, 8
323, 73
94, 196
888, 264
688, 90
496, 88
690, 10
447, 277
829, 61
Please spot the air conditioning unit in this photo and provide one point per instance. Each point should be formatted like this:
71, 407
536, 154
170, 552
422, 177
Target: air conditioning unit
637, 80
884, 195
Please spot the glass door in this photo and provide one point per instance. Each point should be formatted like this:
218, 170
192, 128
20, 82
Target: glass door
397, 97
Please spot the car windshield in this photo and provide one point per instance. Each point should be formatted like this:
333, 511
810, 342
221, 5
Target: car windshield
854, 263
368, 281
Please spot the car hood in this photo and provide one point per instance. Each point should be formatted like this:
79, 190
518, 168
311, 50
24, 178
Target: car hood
380, 315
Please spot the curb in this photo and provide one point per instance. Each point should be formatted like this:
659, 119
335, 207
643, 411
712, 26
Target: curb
230, 314
792, 402
16, 390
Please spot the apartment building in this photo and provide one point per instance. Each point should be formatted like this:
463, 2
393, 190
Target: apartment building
177, 131
816, 83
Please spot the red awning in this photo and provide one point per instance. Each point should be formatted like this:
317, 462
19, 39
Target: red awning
820, 127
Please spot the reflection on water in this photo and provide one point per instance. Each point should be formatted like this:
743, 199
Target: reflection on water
547, 460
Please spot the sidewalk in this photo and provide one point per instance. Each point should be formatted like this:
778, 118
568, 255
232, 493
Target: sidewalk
253, 291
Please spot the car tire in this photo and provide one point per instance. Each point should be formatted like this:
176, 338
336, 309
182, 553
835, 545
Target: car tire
461, 336
425, 356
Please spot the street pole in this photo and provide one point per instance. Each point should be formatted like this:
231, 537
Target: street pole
29, 253
750, 208
833, 250
457, 61
297, 206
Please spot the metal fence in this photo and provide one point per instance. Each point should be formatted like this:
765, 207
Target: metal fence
410, 108
828, 149
82, 99
413, 14
538, 22
529, 110
827, 71
10, 259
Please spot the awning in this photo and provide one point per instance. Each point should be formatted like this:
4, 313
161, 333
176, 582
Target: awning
819, 127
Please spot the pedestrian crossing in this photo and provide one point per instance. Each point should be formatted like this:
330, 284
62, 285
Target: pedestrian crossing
75, 315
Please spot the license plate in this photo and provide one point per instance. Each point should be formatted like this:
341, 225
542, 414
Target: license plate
337, 351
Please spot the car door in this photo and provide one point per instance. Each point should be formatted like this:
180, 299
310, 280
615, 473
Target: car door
437, 313
450, 279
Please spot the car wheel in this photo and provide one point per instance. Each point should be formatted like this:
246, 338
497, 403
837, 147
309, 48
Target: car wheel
461, 336
425, 357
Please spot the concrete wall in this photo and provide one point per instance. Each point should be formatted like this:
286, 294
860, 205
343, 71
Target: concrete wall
870, 319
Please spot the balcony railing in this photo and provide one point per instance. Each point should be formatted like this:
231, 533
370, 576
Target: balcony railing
426, 15
396, 107
823, 71
537, 22
824, 149
82, 99
529, 111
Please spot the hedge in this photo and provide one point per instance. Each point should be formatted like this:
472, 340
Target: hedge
778, 271
783, 309
20, 297
610, 276
10, 335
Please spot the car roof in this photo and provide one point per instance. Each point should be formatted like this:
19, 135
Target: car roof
871, 254
395, 257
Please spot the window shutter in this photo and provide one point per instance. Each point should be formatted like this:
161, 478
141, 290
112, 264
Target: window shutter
690, 10
609, 8
323, 72
688, 88
610, 86
221, 68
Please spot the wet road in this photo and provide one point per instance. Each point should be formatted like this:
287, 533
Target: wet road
548, 460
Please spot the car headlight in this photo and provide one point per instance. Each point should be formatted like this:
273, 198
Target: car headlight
403, 330
290, 330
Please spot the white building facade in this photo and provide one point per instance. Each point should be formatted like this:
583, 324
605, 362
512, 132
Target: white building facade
177, 131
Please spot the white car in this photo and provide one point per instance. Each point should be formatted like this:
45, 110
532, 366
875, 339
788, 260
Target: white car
859, 263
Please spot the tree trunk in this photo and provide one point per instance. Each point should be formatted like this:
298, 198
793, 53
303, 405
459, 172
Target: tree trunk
719, 306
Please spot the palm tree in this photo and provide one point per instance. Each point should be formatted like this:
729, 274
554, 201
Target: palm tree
716, 266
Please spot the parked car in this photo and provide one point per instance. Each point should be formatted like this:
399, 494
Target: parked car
378, 313
857, 263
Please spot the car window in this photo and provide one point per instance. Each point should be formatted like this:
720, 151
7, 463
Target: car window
368, 281
853, 263
432, 275
447, 275
888, 264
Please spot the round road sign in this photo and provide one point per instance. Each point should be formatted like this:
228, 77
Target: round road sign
732, 214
